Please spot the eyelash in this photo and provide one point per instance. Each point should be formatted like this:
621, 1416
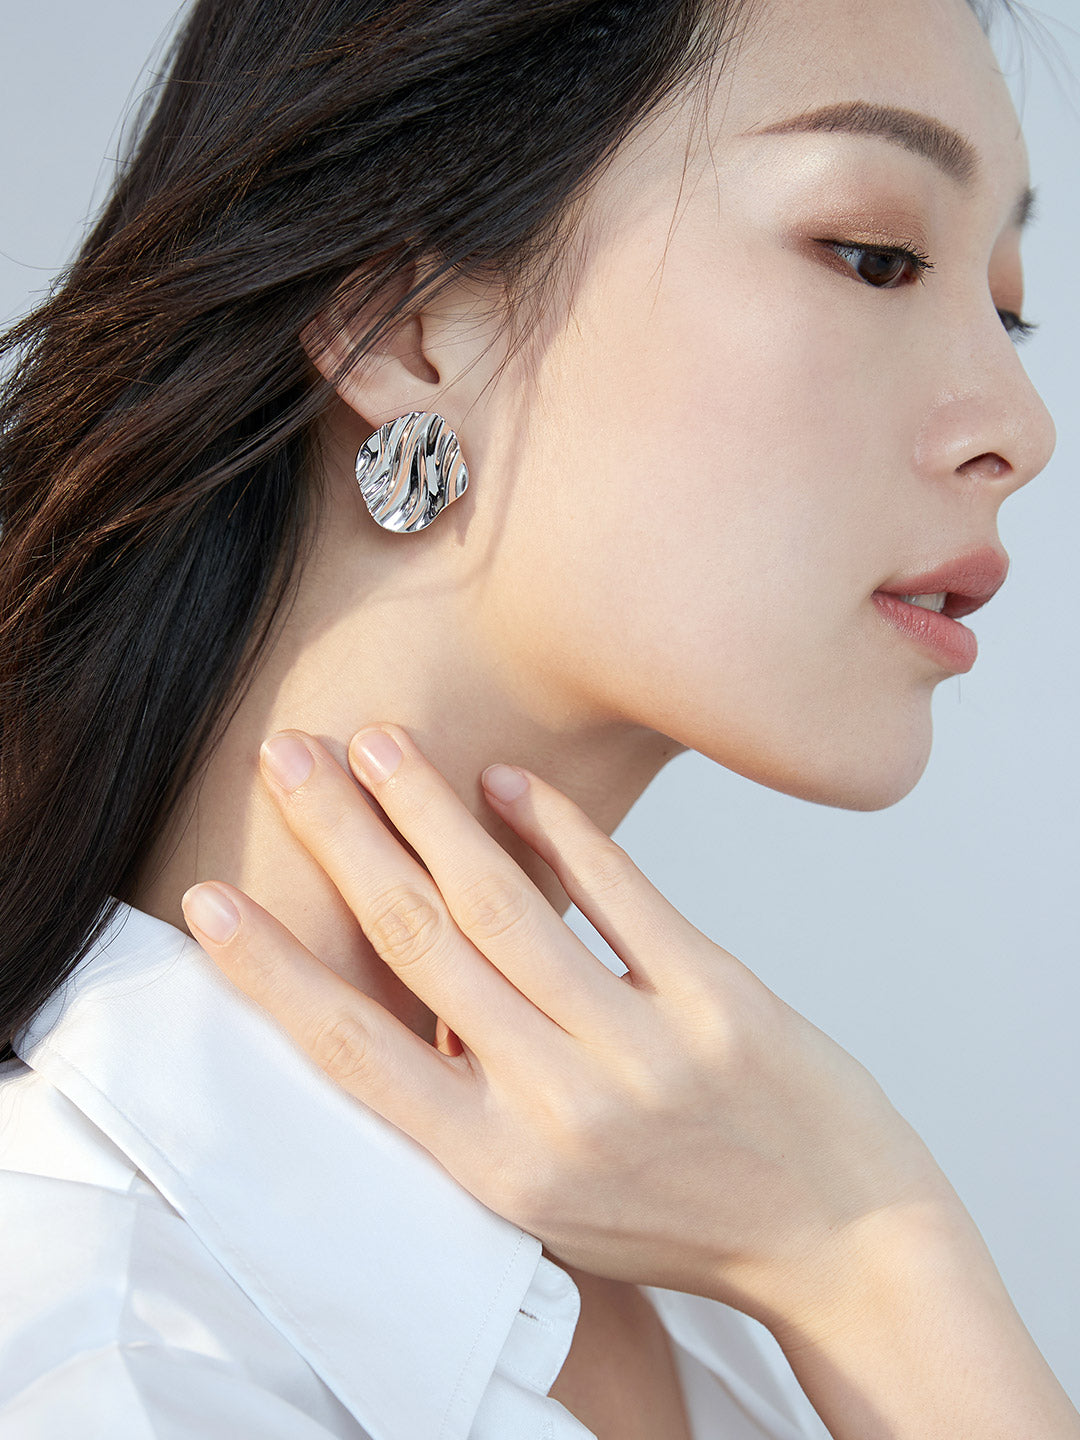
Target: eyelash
1018, 329
919, 266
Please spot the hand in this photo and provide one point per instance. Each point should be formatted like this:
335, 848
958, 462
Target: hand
678, 1126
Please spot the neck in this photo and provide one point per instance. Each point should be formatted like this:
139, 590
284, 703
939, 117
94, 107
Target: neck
414, 654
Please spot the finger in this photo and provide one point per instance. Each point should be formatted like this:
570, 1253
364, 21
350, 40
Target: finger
492, 900
361, 1046
398, 905
651, 937
445, 1039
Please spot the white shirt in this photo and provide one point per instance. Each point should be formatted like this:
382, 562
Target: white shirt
201, 1235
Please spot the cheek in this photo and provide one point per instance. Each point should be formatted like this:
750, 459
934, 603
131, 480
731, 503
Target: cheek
699, 534
704, 466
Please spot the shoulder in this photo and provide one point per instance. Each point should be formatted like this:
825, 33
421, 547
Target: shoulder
114, 1309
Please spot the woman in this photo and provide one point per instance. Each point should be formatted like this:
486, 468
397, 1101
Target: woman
718, 303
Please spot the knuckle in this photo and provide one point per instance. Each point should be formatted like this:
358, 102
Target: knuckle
317, 800
493, 907
713, 1027
414, 800
405, 926
528, 1189
343, 1049
574, 1117
607, 870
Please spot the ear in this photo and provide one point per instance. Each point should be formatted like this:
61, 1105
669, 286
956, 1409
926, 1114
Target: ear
439, 357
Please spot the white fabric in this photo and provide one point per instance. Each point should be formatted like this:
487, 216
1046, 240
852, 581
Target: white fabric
201, 1235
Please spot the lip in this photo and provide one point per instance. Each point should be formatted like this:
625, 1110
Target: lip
968, 582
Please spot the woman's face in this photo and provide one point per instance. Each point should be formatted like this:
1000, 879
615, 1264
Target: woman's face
761, 411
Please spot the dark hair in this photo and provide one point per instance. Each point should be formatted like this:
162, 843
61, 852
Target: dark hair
159, 421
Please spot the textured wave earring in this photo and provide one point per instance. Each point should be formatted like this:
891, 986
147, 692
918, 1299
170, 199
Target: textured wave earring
409, 470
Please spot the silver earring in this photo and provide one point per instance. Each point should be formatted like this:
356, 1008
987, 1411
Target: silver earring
409, 470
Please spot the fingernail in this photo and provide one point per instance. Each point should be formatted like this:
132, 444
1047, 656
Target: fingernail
376, 754
505, 782
211, 911
289, 760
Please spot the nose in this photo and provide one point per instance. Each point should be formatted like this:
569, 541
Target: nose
989, 425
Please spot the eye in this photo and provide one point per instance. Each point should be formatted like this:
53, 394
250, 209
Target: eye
883, 266
888, 266
1015, 327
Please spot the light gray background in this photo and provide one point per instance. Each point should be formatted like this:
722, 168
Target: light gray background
937, 940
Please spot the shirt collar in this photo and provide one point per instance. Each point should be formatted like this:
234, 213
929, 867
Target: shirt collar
396, 1284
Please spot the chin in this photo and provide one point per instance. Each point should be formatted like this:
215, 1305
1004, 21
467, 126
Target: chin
864, 782
869, 776
876, 793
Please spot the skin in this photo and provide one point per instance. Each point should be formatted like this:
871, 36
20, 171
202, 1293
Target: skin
821, 438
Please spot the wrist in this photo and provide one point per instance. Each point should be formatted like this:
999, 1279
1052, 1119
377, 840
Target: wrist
914, 1334
831, 1273
879, 1266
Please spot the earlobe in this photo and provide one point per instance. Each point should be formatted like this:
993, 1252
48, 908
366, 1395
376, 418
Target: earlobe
409, 389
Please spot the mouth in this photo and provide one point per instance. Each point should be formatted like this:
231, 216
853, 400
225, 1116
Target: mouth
928, 607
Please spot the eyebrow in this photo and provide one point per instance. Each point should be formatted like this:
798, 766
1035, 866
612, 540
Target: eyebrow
922, 134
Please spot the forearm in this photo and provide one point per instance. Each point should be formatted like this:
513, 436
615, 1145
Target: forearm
924, 1343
